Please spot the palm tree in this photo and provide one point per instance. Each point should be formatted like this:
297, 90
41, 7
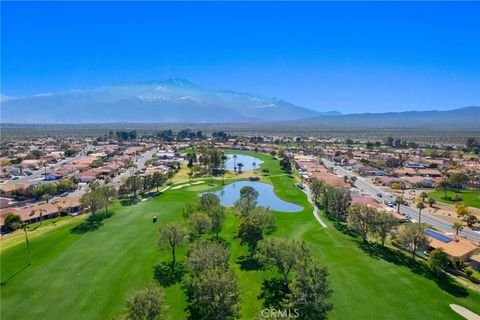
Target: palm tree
457, 227
254, 164
420, 207
41, 215
44, 165
423, 195
399, 202
24, 227
234, 162
240, 165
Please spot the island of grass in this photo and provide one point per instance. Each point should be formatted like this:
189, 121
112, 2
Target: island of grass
470, 198
87, 275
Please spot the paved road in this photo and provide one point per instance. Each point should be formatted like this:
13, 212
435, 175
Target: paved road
427, 218
140, 163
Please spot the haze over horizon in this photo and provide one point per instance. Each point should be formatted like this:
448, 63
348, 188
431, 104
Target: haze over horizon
348, 57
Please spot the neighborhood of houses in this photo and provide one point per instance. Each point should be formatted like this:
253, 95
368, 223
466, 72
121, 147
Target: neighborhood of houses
74, 164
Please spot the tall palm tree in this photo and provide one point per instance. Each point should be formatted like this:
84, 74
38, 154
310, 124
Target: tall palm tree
254, 164
240, 165
423, 195
24, 227
399, 202
420, 207
234, 162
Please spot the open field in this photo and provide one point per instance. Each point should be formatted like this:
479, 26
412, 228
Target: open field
470, 198
420, 135
88, 275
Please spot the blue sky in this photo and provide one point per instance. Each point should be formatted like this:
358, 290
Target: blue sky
345, 56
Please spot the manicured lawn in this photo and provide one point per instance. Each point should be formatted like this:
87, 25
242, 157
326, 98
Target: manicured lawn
87, 276
470, 198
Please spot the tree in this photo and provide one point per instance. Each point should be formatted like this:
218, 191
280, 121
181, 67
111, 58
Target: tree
108, 193
398, 202
423, 195
172, 235
133, 184
310, 291
281, 253
254, 165
209, 200
443, 185
384, 224
266, 218
205, 255
200, 223
412, 236
431, 202
213, 294
146, 304
249, 192
240, 166
24, 227
217, 216
438, 261
12, 221
244, 205
337, 201
420, 207
281, 152
92, 201
457, 227
48, 190
470, 220
458, 180
316, 187
273, 153
361, 217
462, 210
250, 232
157, 179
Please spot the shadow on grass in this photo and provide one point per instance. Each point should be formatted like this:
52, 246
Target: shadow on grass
168, 274
345, 229
4, 282
444, 281
247, 263
92, 223
274, 292
128, 202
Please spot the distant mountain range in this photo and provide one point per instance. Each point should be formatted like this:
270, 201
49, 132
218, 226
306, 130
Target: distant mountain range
173, 100
181, 101
463, 118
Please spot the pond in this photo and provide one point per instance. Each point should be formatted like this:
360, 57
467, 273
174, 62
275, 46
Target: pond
266, 197
247, 162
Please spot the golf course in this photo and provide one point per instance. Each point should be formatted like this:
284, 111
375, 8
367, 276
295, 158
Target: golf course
83, 272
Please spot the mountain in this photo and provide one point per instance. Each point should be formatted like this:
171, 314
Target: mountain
468, 118
173, 100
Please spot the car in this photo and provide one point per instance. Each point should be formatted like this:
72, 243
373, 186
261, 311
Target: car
64, 194
379, 195
15, 177
300, 186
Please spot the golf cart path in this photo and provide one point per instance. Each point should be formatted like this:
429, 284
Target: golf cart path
315, 209
464, 312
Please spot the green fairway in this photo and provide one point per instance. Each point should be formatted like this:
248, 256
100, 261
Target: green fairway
470, 198
88, 276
